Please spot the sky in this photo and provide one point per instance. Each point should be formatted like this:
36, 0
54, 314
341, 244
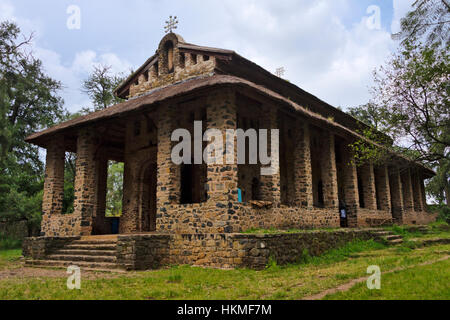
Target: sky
327, 47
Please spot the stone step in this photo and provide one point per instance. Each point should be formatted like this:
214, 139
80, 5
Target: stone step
95, 242
396, 241
393, 237
383, 233
85, 258
89, 266
86, 252
74, 246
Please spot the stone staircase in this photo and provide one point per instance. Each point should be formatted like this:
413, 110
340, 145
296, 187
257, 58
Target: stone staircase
389, 237
88, 253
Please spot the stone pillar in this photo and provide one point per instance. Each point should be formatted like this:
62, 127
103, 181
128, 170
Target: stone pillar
222, 179
369, 189
52, 201
302, 167
408, 201
396, 195
85, 180
168, 177
329, 173
271, 184
101, 224
383, 190
417, 191
350, 182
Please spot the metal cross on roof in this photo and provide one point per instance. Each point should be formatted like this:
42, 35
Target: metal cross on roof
280, 72
171, 24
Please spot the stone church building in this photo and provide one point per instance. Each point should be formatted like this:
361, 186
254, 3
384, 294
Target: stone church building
182, 83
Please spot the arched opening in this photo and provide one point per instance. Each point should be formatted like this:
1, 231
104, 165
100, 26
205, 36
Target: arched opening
256, 189
169, 56
148, 199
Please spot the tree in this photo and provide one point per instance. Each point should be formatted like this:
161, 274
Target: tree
430, 21
100, 85
29, 102
412, 91
411, 94
114, 189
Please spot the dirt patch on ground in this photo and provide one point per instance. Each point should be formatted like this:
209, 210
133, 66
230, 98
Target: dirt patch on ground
19, 271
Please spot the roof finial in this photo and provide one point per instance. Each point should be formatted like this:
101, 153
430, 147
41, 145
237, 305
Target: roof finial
280, 72
171, 24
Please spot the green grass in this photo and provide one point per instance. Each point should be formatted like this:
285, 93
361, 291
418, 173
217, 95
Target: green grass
348, 251
404, 232
8, 258
295, 281
429, 282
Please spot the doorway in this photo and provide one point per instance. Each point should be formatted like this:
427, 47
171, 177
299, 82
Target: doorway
148, 199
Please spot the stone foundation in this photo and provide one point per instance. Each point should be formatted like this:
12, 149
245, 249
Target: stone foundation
219, 250
39, 247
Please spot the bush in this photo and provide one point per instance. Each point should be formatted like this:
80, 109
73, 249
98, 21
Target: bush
7, 243
444, 213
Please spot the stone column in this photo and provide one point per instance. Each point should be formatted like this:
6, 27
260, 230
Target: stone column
101, 225
383, 190
222, 179
302, 167
85, 179
329, 173
417, 192
368, 182
396, 195
350, 181
168, 184
52, 201
408, 201
271, 184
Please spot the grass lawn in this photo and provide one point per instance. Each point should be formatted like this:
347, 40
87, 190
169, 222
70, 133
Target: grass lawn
430, 282
312, 276
9, 258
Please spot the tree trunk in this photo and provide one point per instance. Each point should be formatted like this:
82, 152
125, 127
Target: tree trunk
447, 195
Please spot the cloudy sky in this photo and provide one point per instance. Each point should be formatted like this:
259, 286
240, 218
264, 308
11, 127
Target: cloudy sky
328, 47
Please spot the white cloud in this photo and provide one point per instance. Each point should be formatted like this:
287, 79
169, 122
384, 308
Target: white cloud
401, 7
72, 75
321, 54
6, 11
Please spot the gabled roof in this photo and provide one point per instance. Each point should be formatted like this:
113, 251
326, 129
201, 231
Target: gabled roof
184, 47
160, 95
230, 69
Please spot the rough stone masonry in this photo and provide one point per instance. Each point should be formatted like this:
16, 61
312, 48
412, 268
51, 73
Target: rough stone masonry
183, 83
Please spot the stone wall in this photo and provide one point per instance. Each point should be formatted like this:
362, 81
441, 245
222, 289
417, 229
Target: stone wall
315, 165
229, 250
186, 65
411, 217
374, 218
141, 252
38, 248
